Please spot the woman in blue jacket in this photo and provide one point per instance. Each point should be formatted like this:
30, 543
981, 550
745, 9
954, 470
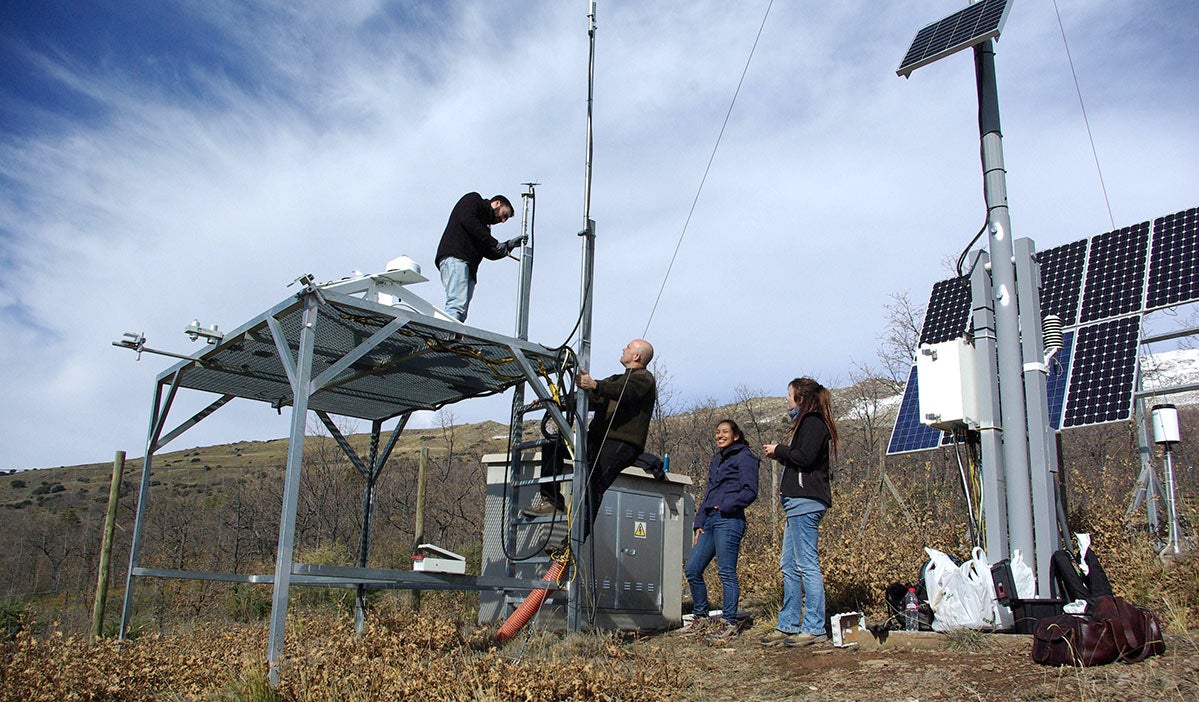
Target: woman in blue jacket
719, 526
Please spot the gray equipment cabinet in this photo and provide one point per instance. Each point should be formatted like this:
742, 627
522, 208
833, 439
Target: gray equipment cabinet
631, 568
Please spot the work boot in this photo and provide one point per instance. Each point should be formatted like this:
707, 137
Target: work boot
775, 638
541, 509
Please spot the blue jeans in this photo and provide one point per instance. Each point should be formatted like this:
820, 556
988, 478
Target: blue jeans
803, 584
459, 287
721, 539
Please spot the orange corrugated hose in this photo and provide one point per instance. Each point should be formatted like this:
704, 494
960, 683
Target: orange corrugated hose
532, 603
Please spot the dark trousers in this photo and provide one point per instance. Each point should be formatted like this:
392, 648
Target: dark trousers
604, 463
1071, 583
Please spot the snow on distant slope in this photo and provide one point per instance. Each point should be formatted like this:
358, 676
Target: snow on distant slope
1170, 369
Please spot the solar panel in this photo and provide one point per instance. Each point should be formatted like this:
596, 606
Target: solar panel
1055, 382
1115, 273
1174, 268
1103, 376
971, 25
1061, 280
1099, 287
909, 434
396, 362
948, 311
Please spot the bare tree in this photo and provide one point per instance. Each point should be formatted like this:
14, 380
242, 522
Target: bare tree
867, 413
900, 336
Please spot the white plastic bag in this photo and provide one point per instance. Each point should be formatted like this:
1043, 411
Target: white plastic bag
961, 596
939, 568
1022, 577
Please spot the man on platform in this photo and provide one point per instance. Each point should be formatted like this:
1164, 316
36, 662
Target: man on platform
466, 241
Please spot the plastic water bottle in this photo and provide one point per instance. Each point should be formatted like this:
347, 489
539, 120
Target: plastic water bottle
666, 463
911, 611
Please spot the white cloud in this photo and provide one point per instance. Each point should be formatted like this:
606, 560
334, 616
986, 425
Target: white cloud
335, 140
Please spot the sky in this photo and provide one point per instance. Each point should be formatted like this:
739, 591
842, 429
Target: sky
175, 160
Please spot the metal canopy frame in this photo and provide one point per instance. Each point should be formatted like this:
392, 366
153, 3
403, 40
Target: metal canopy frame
336, 354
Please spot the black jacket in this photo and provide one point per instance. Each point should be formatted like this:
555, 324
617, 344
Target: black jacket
467, 234
806, 461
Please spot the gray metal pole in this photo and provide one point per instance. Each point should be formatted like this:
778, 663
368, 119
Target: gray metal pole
1172, 498
418, 531
1007, 320
291, 487
1144, 490
583, 348
524, 285
994, 483
158, 416
523, 289
1042, 448
110, 524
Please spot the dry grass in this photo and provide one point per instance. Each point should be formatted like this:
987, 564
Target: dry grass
399, 656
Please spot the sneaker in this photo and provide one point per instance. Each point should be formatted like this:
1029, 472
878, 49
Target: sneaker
775, 638
541, 509
723, 630
805, 639
698, 625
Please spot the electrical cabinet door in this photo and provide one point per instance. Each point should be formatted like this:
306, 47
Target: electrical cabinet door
629, 538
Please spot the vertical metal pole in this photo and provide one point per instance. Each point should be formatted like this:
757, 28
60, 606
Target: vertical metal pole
291, 486
418, 532
110, 524
523, 289
994, 483
158, 416
1172, 500
583, 349
1042, 450
1007, 320
524, 285
1146, 488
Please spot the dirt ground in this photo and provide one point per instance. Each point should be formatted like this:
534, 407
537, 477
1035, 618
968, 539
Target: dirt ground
925, 666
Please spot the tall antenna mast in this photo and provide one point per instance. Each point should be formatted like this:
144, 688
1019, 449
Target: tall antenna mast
583, 349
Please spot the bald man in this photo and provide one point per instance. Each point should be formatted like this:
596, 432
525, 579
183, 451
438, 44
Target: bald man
623, 406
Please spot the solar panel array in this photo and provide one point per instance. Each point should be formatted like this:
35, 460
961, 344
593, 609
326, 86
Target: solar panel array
967, 27
1100, 287
407, 362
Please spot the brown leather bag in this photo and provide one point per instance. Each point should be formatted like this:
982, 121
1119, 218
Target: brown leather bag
1138, 632
1115, 630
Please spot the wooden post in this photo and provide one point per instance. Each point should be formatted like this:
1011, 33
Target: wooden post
418, 536
114, 493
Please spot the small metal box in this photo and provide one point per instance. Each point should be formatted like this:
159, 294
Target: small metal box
434, 559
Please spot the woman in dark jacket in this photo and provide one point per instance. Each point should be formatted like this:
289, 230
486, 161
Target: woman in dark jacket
719, 526
805, 496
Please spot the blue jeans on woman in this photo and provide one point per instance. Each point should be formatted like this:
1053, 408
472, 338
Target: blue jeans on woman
721, 539
803, 583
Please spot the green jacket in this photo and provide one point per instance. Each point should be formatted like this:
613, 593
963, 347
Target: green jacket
630, 416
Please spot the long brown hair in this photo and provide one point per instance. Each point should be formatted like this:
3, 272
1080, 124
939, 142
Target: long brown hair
812, 397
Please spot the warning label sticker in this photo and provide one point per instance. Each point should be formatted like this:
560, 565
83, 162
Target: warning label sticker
639, 530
